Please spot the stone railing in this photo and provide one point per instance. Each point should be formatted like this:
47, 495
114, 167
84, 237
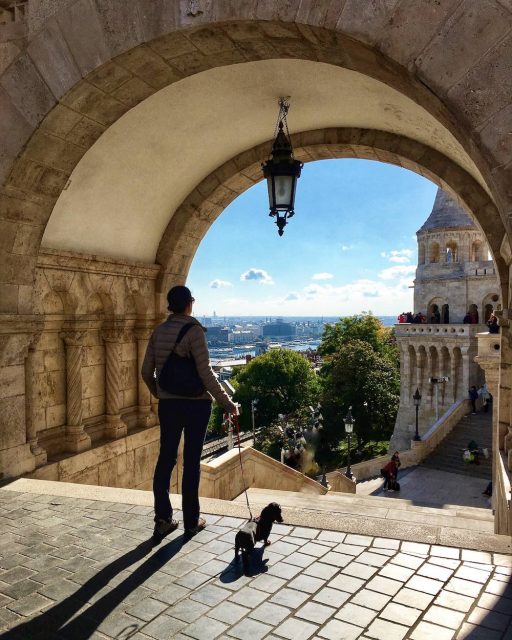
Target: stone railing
452, 330
339, 482
419, 449
502, 497
222, 478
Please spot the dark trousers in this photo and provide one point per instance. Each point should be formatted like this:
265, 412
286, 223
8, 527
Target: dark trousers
176, 416
473, 404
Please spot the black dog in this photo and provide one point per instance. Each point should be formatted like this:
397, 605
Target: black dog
256, 530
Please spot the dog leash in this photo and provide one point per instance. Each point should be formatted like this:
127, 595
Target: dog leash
234, 420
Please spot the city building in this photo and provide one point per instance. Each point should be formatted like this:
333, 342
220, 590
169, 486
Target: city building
279, 329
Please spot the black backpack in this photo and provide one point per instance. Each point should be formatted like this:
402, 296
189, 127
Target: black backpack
179, 375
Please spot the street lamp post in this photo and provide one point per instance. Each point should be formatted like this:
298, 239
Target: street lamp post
417, 401
349, 428
253, 409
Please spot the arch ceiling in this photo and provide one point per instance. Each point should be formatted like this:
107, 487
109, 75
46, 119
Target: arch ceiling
122, 193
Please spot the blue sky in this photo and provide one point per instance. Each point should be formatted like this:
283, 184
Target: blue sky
351, 246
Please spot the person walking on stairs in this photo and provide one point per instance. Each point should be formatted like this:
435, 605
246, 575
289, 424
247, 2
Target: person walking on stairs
473, 396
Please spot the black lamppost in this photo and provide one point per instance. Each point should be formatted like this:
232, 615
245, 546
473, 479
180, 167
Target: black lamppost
254, 402
349, 428
417, 401
282, 171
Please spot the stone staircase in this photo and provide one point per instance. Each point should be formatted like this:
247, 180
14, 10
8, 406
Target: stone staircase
448, 455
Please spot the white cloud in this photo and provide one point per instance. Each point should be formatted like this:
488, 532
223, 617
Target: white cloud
292, 296
218, 284
403, 256
324, 275
258, 275
347, 247
400, 271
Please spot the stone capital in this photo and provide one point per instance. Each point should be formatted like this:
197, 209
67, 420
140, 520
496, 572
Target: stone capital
73, 337
116, 333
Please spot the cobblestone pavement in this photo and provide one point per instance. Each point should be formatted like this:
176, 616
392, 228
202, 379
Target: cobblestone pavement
74, 569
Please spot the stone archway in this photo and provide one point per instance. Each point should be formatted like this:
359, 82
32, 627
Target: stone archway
83, 69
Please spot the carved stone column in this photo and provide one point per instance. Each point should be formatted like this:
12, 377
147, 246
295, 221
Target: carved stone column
39, 453
76, 438
145, 415
113, 337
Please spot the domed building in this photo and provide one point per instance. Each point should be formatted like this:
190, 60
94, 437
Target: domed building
456, 290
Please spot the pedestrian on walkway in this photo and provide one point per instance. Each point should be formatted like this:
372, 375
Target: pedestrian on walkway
178, 413
473, 396
389, 472
483, 392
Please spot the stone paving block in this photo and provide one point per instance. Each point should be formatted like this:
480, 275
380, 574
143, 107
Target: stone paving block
386, 543
299, 559
435, 572
295, 629
59, 590
413, 598
217, 547
119, 625
228, 521
456, 601
499, 588
381, 629
445, 617
384, 585
349, 549
465, 587
192, 580
320, 570
396, 572
163, 627
395, 612
489, 619
268, 583
355, 614
425, 585
304, 532
290, 598
466, 573
228, 612
371, 599
209, 594
269, 611
147, 609
284, 570
444, 552
19, 589
416, 548
188, 610
30, 604
172, 593
389, 553
332, 597
339, 629
473, 632
248, 597
444, 562
306, 583
427, 631
346, 583
284, 548
359, 570
16, 574
502, 560
407, 560
332, 536
212, 568
483, 557
493, 602
249, 630
337, 559
315, 612
312, 549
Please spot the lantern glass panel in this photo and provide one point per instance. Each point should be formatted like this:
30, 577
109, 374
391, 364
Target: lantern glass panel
349, 427
284, 191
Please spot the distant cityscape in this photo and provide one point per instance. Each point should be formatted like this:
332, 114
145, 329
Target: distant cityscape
231, 337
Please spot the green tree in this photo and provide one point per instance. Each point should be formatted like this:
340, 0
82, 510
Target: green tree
365, 327
356, 375
282, 381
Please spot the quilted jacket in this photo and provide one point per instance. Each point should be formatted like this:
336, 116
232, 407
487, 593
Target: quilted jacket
193, 345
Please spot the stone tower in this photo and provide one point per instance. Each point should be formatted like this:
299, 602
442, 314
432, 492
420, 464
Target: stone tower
456, 289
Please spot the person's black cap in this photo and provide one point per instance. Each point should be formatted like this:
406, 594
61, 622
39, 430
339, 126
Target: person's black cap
179, 298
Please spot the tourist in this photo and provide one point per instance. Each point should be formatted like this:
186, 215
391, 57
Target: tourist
181, 413
473, 396
467, 319
484, 394
488, 490
473, 452
493, 325
408, 317
389, 472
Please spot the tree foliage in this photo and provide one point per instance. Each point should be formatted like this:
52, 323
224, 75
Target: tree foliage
281, 380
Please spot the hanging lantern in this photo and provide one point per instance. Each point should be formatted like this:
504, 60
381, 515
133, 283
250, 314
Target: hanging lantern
282, 171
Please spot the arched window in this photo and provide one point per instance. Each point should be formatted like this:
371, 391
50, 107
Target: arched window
434, 252
434, 315
452, 252
421, 253
476, 251
445, 314
472, 314
487, 311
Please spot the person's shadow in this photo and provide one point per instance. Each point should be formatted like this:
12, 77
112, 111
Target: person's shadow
56, 622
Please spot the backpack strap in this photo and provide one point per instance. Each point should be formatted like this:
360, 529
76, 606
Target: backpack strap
183, 331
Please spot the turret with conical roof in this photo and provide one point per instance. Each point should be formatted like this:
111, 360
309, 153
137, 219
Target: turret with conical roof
455, 276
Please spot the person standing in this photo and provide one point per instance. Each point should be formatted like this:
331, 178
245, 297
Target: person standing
179, 414
389, 471
483, 392
473, 396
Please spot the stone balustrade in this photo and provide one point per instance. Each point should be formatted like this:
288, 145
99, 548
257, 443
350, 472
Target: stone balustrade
424, 330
